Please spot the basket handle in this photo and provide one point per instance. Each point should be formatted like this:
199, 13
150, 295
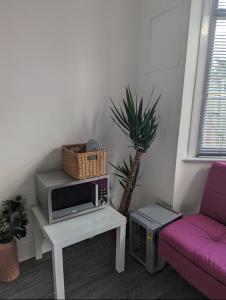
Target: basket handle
92, 157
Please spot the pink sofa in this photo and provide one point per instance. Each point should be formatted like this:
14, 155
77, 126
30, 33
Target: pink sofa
195, 246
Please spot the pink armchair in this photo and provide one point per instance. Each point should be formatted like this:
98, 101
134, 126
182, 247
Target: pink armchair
195, 246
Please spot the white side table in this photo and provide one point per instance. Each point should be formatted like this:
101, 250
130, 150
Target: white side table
68, 232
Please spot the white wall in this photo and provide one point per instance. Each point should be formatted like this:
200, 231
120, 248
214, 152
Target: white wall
60, 61
162, 51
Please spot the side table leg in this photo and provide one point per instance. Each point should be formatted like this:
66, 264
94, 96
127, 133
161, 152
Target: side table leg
58, 273
38, 239
120, 248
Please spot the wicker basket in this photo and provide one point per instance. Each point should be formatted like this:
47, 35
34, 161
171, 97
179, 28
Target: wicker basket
80, 164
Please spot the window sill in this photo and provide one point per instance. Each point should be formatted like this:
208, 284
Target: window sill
204, 159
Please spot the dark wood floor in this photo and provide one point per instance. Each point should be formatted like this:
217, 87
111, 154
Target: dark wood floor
89, 273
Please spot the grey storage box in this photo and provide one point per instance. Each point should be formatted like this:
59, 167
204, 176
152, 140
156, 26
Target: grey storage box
145, 224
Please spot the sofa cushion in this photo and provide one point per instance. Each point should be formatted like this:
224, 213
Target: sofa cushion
200, 239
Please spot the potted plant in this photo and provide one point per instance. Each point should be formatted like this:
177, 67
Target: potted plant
13, 221
138, 121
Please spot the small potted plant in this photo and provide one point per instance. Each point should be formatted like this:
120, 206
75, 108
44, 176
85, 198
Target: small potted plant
13, 221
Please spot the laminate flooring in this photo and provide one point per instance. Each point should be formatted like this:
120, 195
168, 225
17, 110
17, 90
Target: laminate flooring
90, 274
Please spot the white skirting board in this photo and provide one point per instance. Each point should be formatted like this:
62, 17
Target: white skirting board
26, 249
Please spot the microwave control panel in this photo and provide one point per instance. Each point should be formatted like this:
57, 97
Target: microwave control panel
102, 191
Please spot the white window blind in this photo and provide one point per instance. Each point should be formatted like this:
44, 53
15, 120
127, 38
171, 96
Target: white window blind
213, 115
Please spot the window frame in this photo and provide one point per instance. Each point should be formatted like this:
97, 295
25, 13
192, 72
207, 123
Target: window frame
191, 104
199, 59
211, 12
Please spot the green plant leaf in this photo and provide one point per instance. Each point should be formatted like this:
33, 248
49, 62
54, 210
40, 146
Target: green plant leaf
124, 170
13, 220
139, 124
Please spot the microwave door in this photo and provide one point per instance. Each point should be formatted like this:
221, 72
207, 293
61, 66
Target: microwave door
74, 199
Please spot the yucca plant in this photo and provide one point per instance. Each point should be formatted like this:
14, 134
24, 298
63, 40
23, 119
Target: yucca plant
138, 121
122, 172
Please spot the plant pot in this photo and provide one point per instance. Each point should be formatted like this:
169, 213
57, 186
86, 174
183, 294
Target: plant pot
9, 264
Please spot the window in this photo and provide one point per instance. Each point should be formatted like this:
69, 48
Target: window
212, 136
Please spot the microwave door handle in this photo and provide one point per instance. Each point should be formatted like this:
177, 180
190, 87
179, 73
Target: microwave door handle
96, 193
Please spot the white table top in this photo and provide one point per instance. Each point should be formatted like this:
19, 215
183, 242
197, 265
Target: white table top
79, 228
